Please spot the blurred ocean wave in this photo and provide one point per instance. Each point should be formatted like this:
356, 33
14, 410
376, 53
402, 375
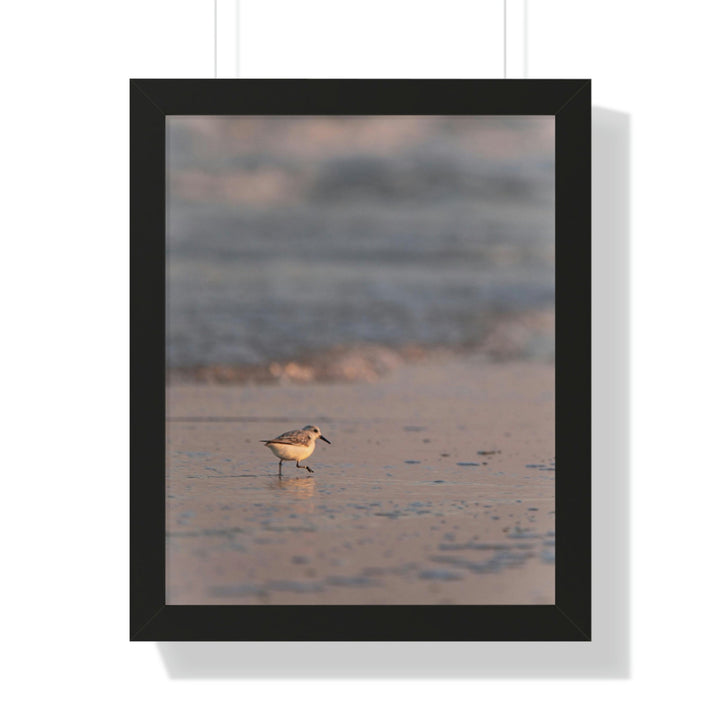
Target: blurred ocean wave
389, 232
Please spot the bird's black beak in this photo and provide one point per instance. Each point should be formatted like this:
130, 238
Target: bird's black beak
322, 437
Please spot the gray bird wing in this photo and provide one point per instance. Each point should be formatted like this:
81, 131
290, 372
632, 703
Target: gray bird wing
291, 437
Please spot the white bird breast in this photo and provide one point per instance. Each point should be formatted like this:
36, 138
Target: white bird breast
292, 452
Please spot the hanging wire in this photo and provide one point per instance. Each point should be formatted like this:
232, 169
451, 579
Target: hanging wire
525, 38
505, 39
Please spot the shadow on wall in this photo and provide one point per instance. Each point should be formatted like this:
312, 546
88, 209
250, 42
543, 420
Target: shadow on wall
608, 655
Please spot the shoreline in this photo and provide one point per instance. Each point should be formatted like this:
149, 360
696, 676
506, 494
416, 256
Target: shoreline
438, 488
527, 336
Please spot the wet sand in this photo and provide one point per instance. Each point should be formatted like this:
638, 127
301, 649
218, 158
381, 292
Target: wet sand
438, 487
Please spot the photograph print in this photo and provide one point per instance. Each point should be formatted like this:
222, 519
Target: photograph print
360, 360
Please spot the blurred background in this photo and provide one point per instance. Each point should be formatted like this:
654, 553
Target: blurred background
316, 248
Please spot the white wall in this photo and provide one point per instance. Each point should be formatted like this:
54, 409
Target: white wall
64, 528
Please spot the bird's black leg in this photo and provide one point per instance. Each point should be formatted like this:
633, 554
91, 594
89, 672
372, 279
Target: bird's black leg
304, 467
280, 468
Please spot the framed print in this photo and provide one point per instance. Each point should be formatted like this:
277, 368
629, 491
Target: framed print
360, 360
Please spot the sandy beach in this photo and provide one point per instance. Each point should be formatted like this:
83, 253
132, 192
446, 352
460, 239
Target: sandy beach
438, 487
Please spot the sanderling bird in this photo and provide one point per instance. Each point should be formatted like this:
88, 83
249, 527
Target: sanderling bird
295, 445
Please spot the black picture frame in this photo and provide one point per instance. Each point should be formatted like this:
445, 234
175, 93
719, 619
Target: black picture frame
151, 101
